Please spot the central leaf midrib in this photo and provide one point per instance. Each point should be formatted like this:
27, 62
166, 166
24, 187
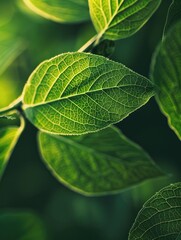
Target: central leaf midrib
25, 106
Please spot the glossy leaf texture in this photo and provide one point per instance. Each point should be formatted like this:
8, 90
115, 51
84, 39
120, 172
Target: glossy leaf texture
117, 19
65, 11
9, 136
78, 93
166, 74
10, 48
160, 217
101, 163
21, 225
174, 14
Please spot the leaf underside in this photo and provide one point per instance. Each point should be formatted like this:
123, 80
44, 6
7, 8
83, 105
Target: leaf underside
101, 163
166, 74
160, 217
78, 93
122, 18
67, 11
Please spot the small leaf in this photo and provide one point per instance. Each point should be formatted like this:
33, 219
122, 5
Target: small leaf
21, 225
65, 11
104, 48
166, 74
160, 217
122, 18
78, 93
8, 138
99, 163
174, 14
10, 49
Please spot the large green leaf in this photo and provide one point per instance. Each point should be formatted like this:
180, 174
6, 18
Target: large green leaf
160, 217
60, 10
77, 93
21, 225
99, 163
116, 19
9, 136
166, 74
10, 49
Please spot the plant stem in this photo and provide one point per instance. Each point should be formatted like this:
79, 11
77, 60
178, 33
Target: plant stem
88, 44
14, 105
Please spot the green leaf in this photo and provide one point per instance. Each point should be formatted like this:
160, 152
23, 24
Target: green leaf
65, 11
21, 225
78, 93
10, 49
9, 136
160, 217
121, 18
101, 163
166, 74
174, 14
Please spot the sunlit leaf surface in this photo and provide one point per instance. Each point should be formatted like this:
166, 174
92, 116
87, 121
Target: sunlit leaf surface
116, 19
77, 93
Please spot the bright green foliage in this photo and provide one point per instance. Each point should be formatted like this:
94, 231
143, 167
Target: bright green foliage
160, 217
68, 11
174, 14
78, 93
116, 19
166, 74
100, 163
8, 139
10, 49
21, 226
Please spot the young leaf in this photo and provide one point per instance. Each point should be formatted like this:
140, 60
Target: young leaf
160, 217
66, 11
21, 225
101, 163
8, 139
174, 14
166, 74
78, 93
122, 18
10, 49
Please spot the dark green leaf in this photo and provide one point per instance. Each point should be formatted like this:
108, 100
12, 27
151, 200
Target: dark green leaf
78, 93
160, 217
99, 163
174, 14
166, 74
104, 48
8, 138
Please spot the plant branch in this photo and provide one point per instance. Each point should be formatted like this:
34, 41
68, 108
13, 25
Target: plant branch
92, 42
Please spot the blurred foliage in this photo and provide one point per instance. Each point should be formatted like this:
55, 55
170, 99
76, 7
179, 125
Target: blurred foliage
27, 184
21, 225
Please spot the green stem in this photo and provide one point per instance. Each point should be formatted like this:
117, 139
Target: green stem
14, 105
93, 41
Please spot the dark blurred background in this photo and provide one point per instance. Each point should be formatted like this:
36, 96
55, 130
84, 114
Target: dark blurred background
28, 185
